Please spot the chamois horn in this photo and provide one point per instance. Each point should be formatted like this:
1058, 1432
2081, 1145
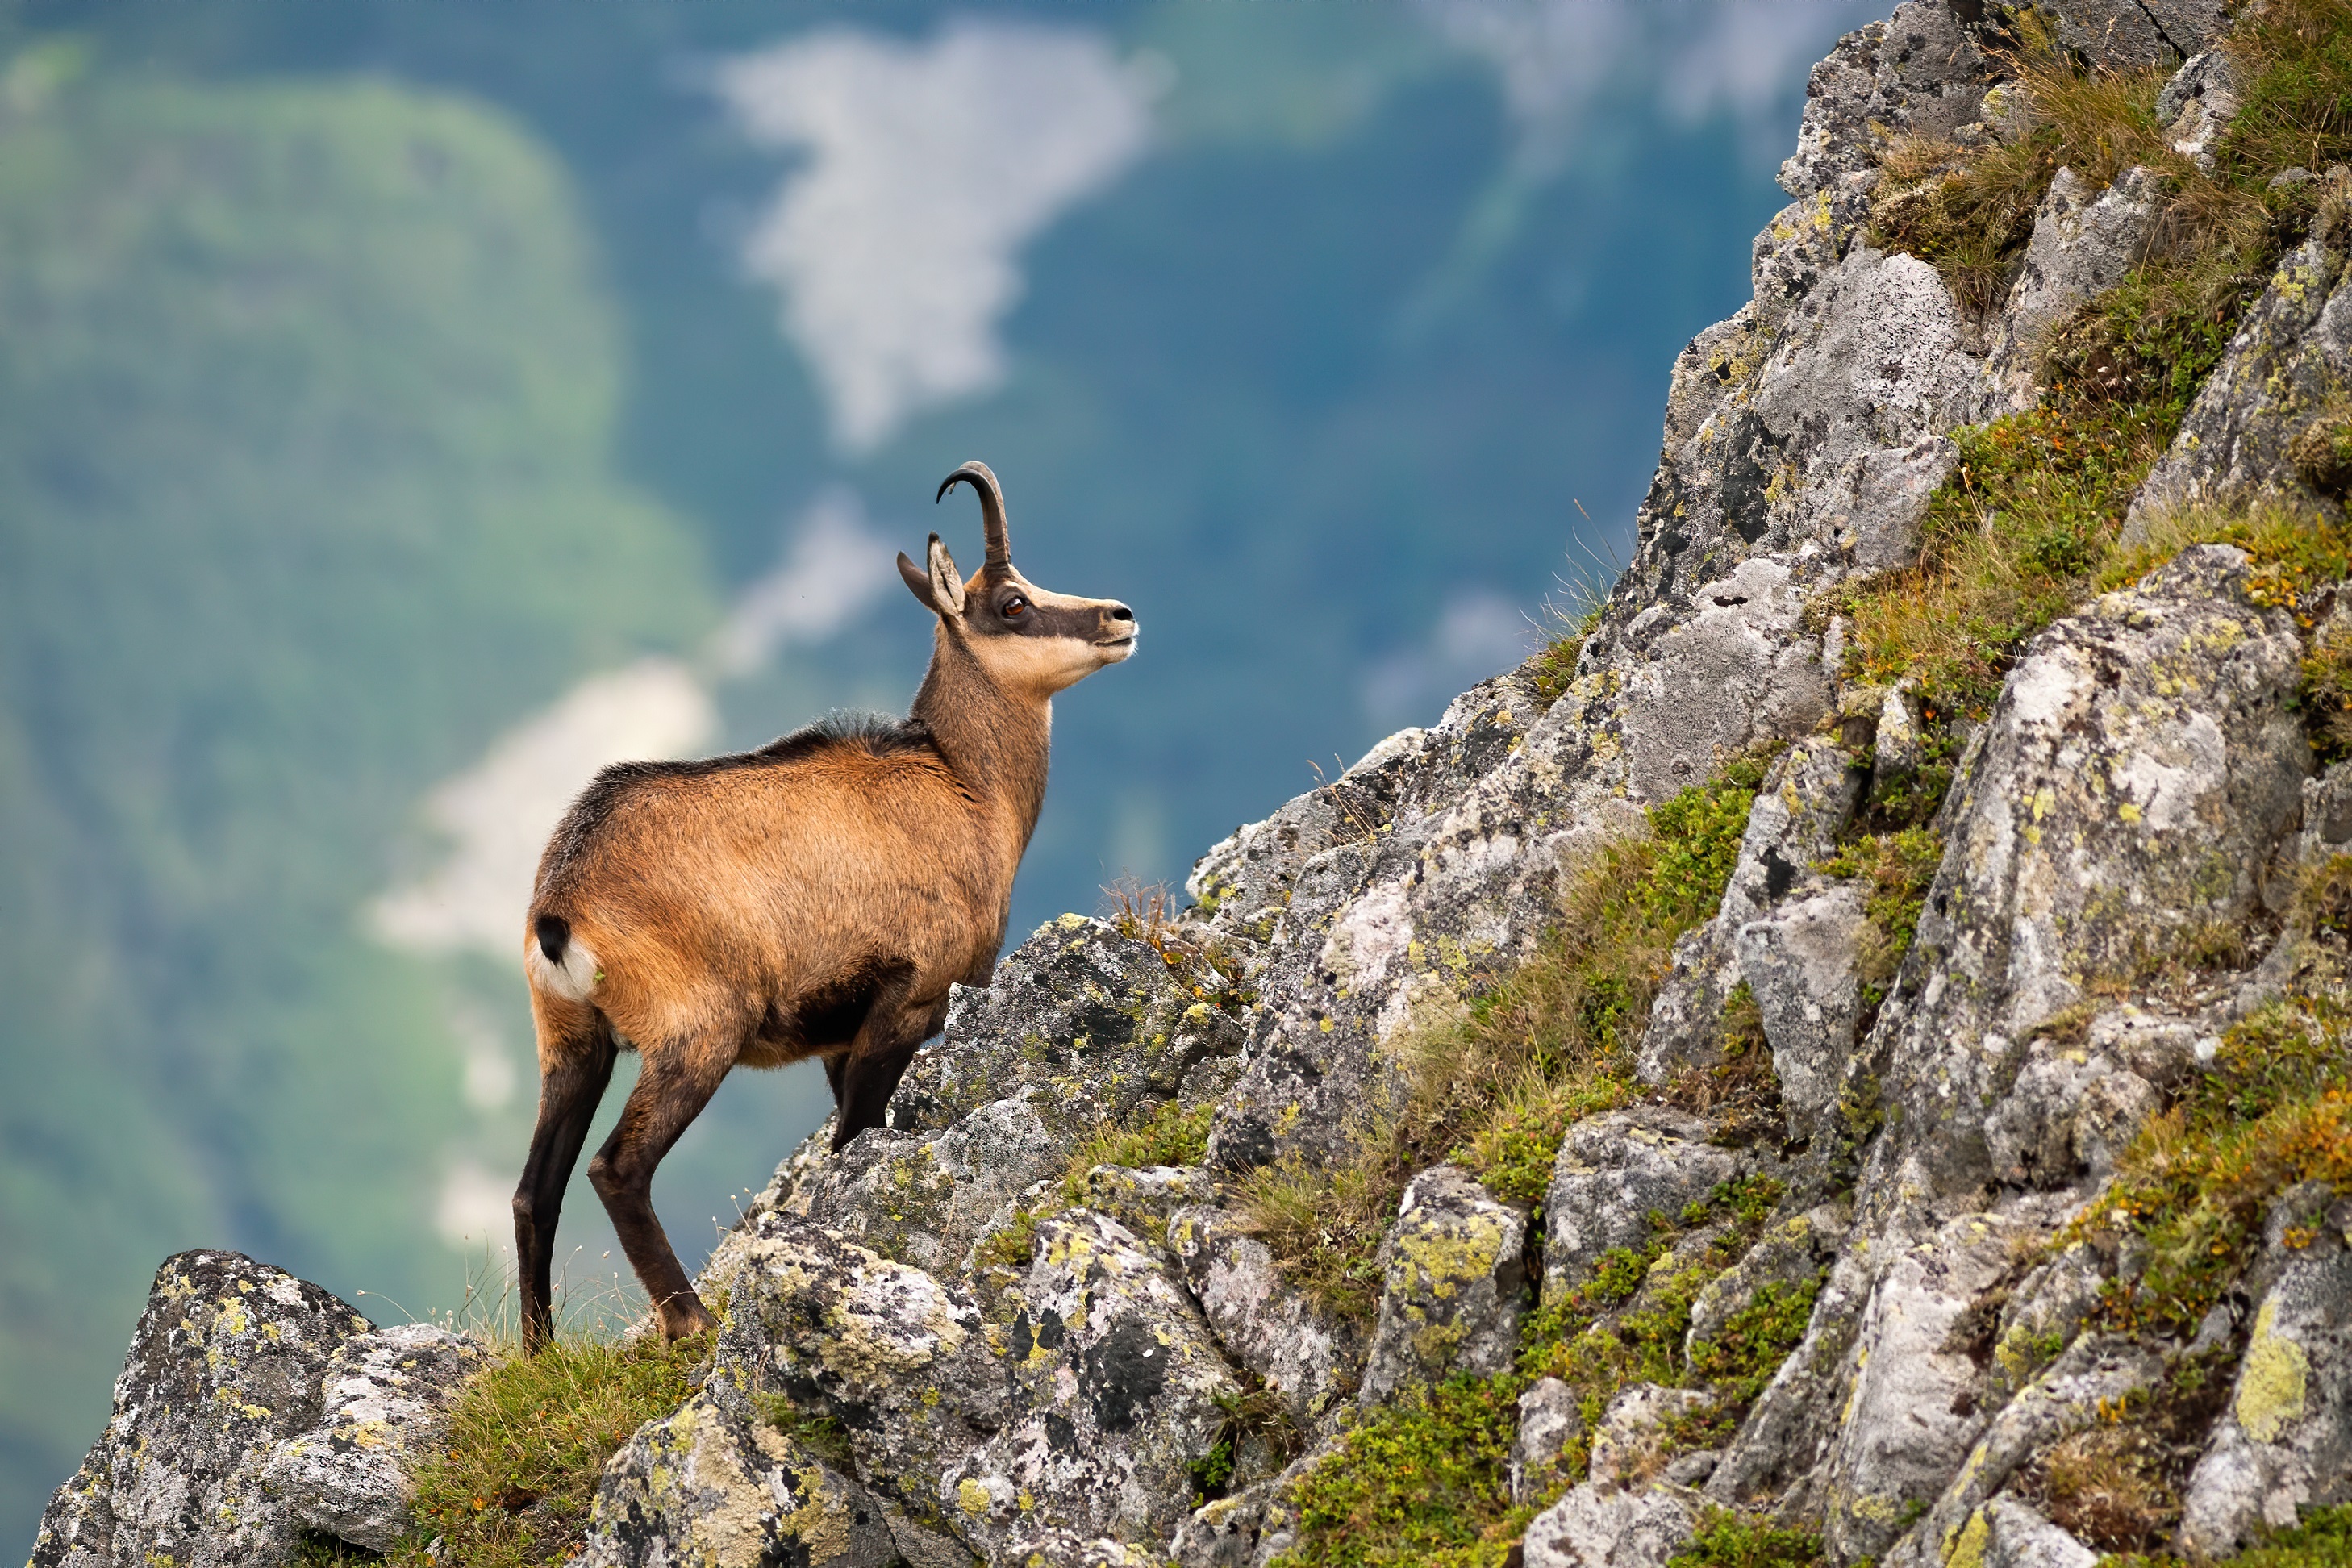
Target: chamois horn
992, 508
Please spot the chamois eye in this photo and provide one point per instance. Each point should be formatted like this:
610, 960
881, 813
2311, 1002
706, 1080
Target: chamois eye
1016, 608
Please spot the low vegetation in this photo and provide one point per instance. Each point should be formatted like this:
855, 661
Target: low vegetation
529, 1443
1494, 1085
1424, 1480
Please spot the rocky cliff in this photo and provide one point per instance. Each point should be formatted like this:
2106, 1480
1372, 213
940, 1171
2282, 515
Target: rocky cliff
1841, 1057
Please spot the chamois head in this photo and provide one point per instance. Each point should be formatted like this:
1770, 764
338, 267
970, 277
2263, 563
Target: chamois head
1029, 641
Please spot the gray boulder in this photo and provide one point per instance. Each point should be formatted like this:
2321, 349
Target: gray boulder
1550, 1418
1456, 1285
711, 1486
1311, 1359
2129, 791
388, 1397
1080, 1021
2285, 1443
2198, 104
1918, 73
226, 1362
2084, 241
1115, 1391
1611, 1173
1593, 1527
2287, 366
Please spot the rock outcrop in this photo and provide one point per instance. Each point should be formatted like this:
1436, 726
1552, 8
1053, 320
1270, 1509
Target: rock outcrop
1850, 1246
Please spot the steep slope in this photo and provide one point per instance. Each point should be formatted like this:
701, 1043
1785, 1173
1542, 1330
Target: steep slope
1841, 1060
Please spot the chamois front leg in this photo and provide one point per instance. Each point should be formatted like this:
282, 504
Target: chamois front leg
575, 1064
877, 1060
672, 1087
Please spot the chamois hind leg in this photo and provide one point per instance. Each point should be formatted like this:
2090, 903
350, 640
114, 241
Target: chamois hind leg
673, 1086
877, 1058
575, 1063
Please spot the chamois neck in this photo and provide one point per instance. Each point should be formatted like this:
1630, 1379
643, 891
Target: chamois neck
997, 743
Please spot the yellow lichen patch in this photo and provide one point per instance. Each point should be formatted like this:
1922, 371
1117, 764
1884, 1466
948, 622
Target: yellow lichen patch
1968, 1551
2277, 1377
972, 1497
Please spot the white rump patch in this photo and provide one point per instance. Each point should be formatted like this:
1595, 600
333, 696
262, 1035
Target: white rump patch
572, 979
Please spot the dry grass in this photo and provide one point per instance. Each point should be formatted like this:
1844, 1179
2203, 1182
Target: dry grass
1495, 1084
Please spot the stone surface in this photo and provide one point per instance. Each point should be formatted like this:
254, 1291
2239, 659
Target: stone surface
2285, 1443
2198, 104
388, 1395
226, 1360
1080, 1021
1312, 1361
1613, 1171
1799, 963
712, 1487
1549, 1418
1629, 1445
1589, 1528
1918, 73
2084, 241
2291, 354
2126, 794
1116, 1391
2015, 1536
1454, 1276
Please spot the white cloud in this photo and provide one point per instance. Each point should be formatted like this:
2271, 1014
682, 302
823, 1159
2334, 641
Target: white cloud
1698, 57
925, 168
1478, 634
498, 813
835, 569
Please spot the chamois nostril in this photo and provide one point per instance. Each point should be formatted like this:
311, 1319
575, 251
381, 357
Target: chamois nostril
1121, 613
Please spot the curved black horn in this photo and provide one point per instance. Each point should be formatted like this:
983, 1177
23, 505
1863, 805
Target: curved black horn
992, 508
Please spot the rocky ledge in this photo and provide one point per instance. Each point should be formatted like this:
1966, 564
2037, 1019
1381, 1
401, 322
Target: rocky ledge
1882, 1231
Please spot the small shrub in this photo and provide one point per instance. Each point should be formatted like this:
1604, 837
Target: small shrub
1724, 1539
2272, 1110
1202, 964
1419, 1481
2325, 697
1899, 867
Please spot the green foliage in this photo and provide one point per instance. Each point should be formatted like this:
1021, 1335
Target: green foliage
2012, 541
1728, 1539
1421, 1481
528, 1444
2295, 59
2273, 1109
1748, 1350
1495, 1086
1899, 865
1969, 211
1554, 667
1175, 1134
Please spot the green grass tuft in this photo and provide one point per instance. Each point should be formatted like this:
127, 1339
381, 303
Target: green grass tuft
528, 1445
1727, 1540
1496, 1085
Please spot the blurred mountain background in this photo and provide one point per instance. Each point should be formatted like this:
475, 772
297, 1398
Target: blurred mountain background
408, 406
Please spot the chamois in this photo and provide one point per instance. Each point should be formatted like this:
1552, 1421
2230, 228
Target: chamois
816, 897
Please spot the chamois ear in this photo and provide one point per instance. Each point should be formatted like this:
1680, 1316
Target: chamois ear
947, 583
917, 584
